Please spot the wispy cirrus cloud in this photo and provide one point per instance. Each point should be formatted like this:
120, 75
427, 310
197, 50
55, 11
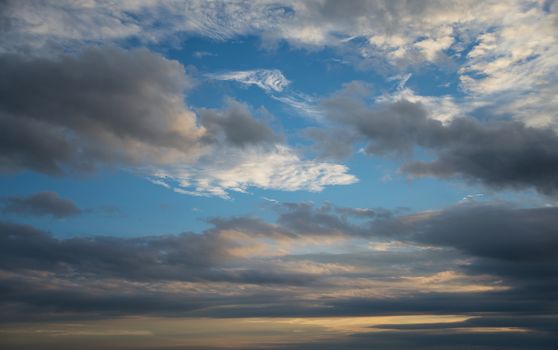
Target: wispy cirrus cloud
276, 167
270, 80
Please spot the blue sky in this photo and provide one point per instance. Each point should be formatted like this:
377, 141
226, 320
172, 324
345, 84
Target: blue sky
349, 171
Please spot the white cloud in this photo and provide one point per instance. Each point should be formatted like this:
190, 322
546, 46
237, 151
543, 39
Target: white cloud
305, 105
276, 168
443, 108
513, 67
266, 79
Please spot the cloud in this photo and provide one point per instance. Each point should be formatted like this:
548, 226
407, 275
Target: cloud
235, 125
502, 53
276, 167
184, 257
303, 104
498, 154
486, 230
491, 257
481, 274
112, 107
102, 106
41, 203
271, 80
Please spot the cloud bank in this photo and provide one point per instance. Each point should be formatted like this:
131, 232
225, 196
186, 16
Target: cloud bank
493, 263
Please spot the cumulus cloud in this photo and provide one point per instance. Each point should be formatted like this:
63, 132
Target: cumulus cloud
103, 106
41, 203
271, 80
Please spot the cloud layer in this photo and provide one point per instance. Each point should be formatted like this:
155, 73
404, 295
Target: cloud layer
492, 261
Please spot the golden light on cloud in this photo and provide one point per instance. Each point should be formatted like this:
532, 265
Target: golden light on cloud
211, 332
361, 324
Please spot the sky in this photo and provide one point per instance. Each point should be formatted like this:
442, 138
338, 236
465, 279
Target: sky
258, 174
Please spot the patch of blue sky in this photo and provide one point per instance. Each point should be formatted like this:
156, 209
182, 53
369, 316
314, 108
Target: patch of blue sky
379, 186
119, 203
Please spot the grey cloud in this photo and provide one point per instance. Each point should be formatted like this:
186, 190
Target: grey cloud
41, 203
517, 245
423, 340
101, 106
506, 154
486, 230
184, 257
331, 144
498, 154
303, 219
235, 125
514, 246
24, 247
252, 226
496, 231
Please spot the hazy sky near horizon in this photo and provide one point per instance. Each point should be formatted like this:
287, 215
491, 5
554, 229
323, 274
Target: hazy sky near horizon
278, 174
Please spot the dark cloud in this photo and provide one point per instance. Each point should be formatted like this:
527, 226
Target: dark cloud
185, 257
498, 154
527, 322
423, 340
497, 231
235, 125
160, 257
42, 203
101, 106
202, 275
306, 220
